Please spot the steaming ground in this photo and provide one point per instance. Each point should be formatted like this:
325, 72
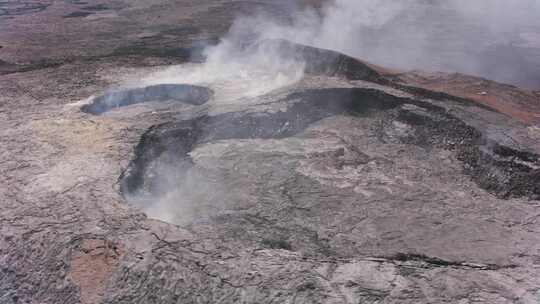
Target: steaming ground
239, 69
236, 76
234, 73
195, 196
486, 38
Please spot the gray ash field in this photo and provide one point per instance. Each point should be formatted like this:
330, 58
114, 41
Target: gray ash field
157, 152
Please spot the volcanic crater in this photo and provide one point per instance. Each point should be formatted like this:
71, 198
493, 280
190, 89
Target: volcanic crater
189, 94
292, 169
499, 169
350, 184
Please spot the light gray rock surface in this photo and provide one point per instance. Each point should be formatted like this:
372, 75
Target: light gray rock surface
343, 187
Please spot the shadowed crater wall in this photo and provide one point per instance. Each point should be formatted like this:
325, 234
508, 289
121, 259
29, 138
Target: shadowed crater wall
18, 7
500, 170
190, 94
322, 62
173, 141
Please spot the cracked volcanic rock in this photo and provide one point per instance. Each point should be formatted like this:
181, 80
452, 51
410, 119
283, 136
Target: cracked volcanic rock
348, 186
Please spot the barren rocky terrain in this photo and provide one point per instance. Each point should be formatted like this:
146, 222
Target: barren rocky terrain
352, 184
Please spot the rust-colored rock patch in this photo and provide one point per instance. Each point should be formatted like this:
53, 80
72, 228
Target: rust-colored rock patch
521, 104
91, 266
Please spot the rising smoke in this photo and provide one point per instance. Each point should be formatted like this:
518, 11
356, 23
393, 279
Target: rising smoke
496, 39
236, 71
489, 38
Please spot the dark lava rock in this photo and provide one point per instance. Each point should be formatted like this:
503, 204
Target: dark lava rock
78, 14
17, 8
323, 62
98, 7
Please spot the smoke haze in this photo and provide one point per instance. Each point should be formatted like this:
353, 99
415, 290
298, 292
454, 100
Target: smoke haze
235, 71
495, 39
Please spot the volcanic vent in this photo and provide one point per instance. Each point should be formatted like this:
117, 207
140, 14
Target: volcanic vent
164, 170
183, 93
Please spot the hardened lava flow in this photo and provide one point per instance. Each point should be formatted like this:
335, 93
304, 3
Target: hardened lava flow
346, 169
501, 170
157, 152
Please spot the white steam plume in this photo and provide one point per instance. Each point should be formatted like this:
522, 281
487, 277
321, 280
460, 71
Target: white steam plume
498, 39
448, 35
